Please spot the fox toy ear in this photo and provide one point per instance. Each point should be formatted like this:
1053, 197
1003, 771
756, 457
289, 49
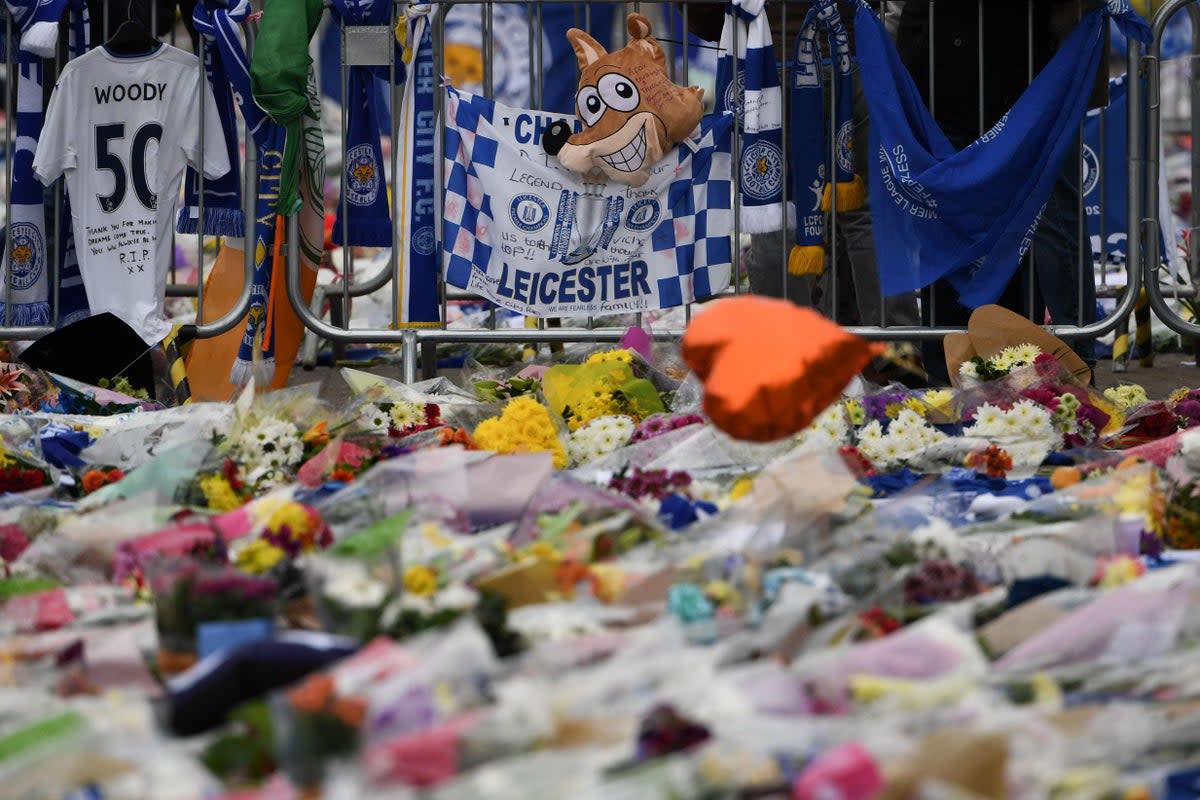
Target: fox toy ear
587, 50
638, 25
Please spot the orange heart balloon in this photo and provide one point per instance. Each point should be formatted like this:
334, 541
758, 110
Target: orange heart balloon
770, 367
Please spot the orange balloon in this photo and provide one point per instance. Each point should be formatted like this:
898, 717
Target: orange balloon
770, 367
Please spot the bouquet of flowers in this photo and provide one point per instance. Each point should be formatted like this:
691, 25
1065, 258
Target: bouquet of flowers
604, 385
525, 426
315, 723
190, 593
1000, 365
280, 530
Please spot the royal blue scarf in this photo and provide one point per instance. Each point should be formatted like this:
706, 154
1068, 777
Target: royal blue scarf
219, 26
364, 187
969, 216
416, 193
808, 129
223, 214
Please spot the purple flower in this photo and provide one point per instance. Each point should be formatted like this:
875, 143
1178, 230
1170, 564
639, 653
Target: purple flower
1150, 545
1089, 413
126, 562
1190, 410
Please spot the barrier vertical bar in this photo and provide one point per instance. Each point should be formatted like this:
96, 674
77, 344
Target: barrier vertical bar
687, 80
735, 171
784, 96
55, 247
347, 250
10, 111
1031, 272
200, 184
929, 293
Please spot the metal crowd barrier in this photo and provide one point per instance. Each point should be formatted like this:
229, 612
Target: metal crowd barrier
419, 345
1152, 64
216, 327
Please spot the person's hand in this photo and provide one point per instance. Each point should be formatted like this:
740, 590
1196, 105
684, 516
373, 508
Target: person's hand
770, 367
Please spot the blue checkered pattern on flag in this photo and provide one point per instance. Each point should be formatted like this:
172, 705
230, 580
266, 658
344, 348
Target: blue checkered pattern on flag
748, 85
969, 215
1105, 182
531, 236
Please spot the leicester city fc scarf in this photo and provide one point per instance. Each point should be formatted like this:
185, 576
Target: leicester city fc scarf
808, 129
219, 26
970, 215
415, 192
748, 85
72, 295
223, 214
25, 267
364, 199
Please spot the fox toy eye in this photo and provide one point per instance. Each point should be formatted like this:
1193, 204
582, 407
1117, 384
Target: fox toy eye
619, 92
591, 107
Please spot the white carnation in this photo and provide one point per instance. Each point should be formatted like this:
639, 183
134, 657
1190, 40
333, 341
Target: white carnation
374, 419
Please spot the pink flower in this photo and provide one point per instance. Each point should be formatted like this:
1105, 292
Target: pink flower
13, 542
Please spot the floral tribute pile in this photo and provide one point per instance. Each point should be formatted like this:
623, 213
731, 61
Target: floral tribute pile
558, 579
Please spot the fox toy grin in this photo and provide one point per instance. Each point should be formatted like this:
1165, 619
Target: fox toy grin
633, 114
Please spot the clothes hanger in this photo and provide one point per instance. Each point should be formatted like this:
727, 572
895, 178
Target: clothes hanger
132, 36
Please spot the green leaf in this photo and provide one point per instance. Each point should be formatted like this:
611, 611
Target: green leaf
14, 587
40, 733
374, 540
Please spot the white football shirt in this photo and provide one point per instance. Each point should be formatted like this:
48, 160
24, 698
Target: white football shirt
123, 129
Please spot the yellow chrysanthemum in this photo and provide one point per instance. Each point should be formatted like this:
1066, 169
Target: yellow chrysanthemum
420, 580
722, 593
855, 411
914, 404
621, 356
219, 495
523, 426
893, 410
741, 488
938, 398
291, 514
1178, 395
258, 557
542, 551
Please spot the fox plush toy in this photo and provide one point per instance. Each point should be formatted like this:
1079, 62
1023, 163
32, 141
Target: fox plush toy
632, 113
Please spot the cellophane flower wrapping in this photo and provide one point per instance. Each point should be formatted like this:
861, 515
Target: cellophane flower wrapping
1137, 621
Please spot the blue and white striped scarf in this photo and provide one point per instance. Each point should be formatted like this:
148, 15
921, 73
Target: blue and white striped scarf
72, 294
219, 26
748, 85
364, 189
25, 265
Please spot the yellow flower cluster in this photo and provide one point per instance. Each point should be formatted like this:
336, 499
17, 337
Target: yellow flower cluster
611, 356
599, 404
219, 495
420, 580
293, 515
939, 399
855, 411
1127, 396
741, 488
258, 556
524, 427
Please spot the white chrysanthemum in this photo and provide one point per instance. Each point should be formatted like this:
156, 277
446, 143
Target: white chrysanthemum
456, 597
354, 588
374, 419
968, 369
1189, 448
1003, 360
1027, 352
403, 414
599, 437
871, 432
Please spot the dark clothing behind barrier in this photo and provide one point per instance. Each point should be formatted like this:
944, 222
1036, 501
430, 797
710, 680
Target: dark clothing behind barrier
164, 15
1006, 54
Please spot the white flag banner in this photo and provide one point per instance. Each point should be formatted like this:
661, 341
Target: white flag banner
530, 235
